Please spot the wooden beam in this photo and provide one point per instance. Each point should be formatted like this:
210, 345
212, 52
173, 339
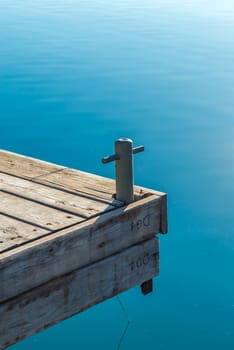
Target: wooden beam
36, 213
74, 292
56, 198
25, 167
39, 261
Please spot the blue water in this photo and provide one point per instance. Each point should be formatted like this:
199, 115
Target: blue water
74, 76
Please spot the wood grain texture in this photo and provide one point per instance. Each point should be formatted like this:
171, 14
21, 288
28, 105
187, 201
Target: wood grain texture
35, 213
14, 233
58, 199
25, 167
75, 180
82, 183
58, 253
93, 186
70, 294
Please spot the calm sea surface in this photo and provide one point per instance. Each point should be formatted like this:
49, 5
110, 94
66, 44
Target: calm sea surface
74, 76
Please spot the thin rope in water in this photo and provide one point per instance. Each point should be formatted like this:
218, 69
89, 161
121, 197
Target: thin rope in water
124, 309
129, 321
123, 336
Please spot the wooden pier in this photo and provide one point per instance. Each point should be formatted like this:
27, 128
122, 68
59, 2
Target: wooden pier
66, 243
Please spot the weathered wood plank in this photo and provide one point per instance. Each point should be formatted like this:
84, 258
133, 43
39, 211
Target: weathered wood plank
78, 182
82, 183
14, 233
23, 166
163, 215
71, 203
63, 297
59, 253
141, 192
35, 213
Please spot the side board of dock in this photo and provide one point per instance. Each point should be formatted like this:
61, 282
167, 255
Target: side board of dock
66, 244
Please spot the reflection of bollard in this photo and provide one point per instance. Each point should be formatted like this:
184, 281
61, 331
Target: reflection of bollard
124, 168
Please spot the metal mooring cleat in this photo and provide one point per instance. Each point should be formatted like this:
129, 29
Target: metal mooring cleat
124, 168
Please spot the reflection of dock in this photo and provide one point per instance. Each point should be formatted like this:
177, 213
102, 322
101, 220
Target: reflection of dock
66, 244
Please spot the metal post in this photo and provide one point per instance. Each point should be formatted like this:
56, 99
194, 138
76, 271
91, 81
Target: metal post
124, 168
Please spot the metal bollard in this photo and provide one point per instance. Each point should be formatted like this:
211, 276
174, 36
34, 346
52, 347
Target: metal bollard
124, 168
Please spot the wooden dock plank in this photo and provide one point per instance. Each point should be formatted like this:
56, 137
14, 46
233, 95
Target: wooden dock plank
78, 182
95, 186
23, 166
163, 215
72, 293
72, 248
14, 233
83, 183
34, 213
71, 203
